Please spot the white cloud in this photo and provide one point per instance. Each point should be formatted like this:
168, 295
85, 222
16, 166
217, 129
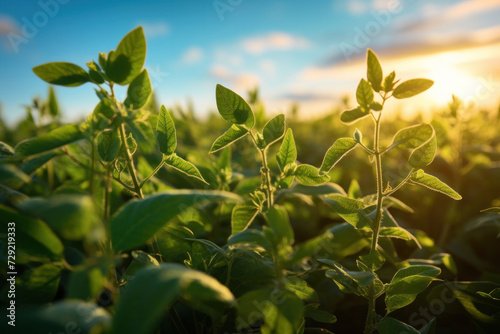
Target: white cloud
273, 41
192, 55
220, 71
155, 29
357, 7
268, 66
240, 81
8, 26
226, 57
471, 7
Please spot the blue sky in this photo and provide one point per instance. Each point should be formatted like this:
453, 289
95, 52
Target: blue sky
311, 52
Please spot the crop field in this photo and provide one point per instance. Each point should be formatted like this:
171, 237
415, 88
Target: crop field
143, 218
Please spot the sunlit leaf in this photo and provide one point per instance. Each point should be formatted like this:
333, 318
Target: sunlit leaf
374, 71
184, 166
337, 151
138, 220
108, 145
124, 64
288, 151
62, 73
138, 91
411, 88
407, 283
165, 129
274, 129
351, 116
234, 133
241, 217
364, 93
310, 176
233, 108
61, 136
421, 178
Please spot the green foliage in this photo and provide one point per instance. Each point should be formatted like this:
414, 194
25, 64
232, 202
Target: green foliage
274, 246
140, 310
56, 138
138, 221
61, 73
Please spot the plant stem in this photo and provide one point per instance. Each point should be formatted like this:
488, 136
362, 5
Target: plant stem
92, 165
130, 162
269, 187
376, 222
107, 187
267, 173
160, 165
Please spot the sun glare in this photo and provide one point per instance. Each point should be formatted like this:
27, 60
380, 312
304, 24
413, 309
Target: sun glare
449, 79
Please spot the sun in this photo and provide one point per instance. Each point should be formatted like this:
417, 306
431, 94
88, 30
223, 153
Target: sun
450, 80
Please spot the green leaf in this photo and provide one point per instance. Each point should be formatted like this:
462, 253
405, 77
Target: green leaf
421, 178
288, 151
233, 108
349, 209
12, 177
494, 209
396, 232
184, 166
6, 150
349, 281
138, 91
389, 82
412, 136
140, 310
390, 325
277, 219
35, 241
309, 176
108, 145
68, 316
311, 311
374, 71
58, 210
143, 132
430, 328
52, 103
37, 285
281, 311
61, 73
422, 138
138, 221
32, 165
337, 151
241, 217
249, 237
364, 93
166, 135
411, 88
85, 282
124, 64
351, 116
301, 289
407, 283
373, 261
274, 129
56, 138
140, 260
424, 154
234, 133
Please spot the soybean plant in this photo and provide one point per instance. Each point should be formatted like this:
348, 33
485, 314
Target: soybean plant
370, 215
